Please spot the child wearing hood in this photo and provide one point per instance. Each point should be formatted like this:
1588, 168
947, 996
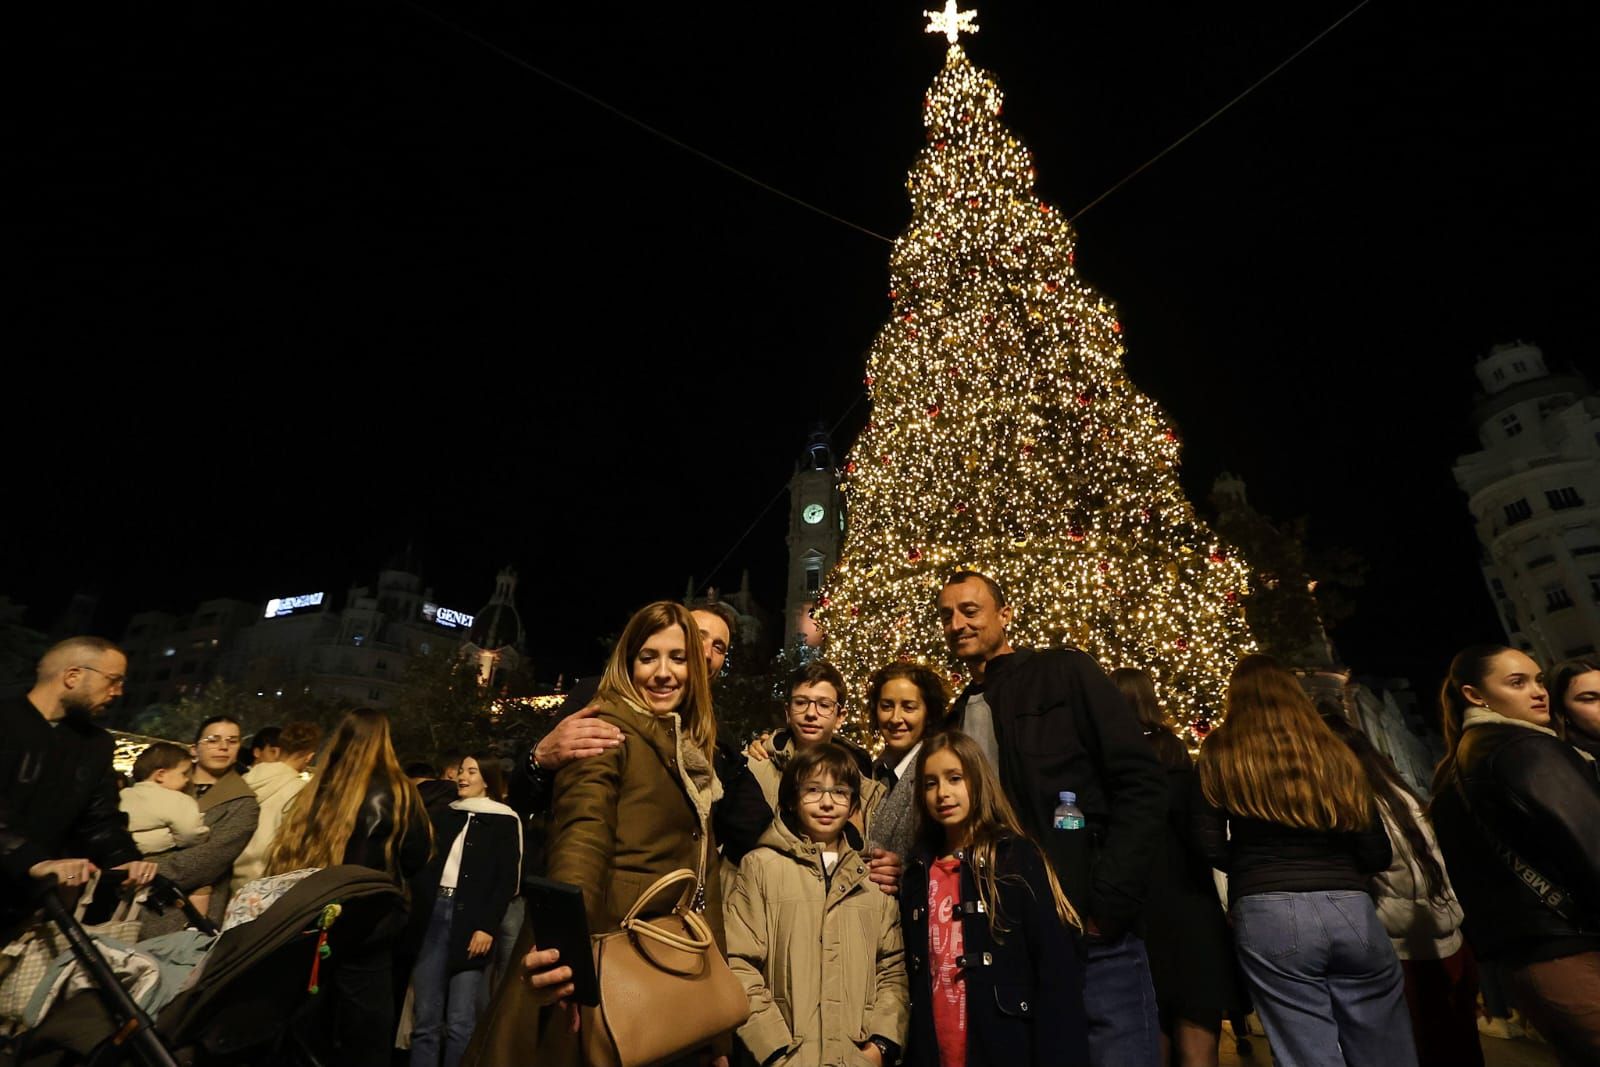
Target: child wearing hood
815, 943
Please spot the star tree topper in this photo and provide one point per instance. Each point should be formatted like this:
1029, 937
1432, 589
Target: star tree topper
952, 23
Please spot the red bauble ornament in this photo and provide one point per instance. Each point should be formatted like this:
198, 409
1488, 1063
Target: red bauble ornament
1027, 450
1104, 566
1218, 556
915, 555
953, 372
1083, 400
855, 611
1072, 258
956, 678
933, 412
960, 509
825, 601
1144, 514
1231, 597
1172, 435
869, 379
850, 468
1051, 286
1044, 209
1201, 729
894, 294
1075, 533
884, 459
1181, 645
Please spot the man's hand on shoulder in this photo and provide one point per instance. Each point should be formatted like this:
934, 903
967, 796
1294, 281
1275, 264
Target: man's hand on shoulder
578, 736
757, 748
883, 870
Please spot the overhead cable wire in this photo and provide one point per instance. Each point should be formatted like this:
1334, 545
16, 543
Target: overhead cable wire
762, 514
1147, 164
512, 57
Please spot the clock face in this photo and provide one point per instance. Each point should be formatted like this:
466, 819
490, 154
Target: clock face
812, 514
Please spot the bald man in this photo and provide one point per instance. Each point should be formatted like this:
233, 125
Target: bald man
58, 797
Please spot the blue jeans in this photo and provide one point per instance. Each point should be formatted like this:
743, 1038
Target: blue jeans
1124, 1028
1326, 981
441, 1001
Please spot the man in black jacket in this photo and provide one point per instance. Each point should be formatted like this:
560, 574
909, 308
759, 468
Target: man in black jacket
1050, 721
58, 796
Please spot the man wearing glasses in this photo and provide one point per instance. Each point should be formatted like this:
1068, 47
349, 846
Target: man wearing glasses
228, 805
58, 793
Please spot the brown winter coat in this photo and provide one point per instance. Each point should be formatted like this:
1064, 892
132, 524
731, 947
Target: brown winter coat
821, 958
618, 821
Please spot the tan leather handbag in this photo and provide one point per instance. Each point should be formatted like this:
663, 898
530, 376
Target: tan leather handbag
664, 987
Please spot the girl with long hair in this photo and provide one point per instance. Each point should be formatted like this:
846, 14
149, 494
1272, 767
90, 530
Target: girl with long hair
996, 968
1517, 813
1286, 811
908, 702
1185, 930
622, 819
465, 889
1575, 703
359, 808
1418, 907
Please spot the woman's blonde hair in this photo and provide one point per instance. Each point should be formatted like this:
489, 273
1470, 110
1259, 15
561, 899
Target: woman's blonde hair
616, 684
1273, 757
991, 820
318, 822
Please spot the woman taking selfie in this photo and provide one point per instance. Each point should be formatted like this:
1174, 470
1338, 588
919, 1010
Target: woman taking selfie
622, 819
1517, 812
1286, 811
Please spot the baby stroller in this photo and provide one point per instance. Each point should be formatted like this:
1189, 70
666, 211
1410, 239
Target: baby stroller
256, 998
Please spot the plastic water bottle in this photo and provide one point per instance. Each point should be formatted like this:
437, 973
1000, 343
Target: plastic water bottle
1068, 815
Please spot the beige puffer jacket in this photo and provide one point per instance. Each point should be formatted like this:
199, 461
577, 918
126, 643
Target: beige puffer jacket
821, 958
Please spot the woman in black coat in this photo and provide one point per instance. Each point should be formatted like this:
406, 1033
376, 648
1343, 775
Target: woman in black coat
464, 892
1517, 814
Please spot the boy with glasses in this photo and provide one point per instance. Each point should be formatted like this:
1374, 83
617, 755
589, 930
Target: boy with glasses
815, 944
813, 715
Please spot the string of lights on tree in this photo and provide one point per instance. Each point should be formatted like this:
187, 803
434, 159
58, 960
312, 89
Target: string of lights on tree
1005, 437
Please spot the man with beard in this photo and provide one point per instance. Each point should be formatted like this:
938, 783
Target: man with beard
58, 795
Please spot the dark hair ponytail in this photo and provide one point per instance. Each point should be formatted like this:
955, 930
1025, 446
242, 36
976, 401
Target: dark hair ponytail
1469, 667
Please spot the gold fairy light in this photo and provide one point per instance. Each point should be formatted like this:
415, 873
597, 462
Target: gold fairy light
1005, 436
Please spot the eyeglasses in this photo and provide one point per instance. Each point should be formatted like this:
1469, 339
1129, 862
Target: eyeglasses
824, 705
841, 794
219, 739
111, 679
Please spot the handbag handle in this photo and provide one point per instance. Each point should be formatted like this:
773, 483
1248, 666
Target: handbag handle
700, 943
682, 874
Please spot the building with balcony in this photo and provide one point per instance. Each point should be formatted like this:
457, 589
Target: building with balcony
1533, 488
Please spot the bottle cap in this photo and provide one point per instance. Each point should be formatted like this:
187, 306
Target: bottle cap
1068, 797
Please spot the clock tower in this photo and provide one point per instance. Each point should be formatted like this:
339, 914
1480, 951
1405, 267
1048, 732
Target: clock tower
816, 530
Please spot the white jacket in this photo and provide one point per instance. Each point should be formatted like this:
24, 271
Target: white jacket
275, 784
161, 819
1421, 929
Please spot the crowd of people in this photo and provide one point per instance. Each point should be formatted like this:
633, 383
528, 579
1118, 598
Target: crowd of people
1032, 870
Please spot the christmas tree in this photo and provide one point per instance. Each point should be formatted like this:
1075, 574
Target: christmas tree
1005, 437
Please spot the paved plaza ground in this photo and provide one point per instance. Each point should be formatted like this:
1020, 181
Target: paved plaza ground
1521, 1052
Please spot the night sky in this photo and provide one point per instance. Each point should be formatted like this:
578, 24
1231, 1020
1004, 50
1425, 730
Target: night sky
306, 283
